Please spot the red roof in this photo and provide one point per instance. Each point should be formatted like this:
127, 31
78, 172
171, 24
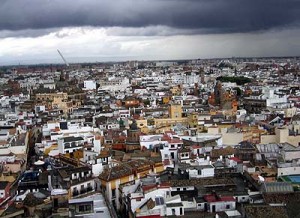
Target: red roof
172, 132
235, 159
215, 198
174, 140
148, 187
155, 186
167, 162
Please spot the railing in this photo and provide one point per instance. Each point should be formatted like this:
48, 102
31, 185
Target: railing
89, 189
110, 208
75, 193
83, 191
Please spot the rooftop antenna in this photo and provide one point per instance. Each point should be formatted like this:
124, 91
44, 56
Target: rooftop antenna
67, 64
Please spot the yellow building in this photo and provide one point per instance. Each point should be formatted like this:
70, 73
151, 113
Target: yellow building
165, 124
193, 120
169, 122
281, 136
176, 90
166, 99
175, 111
143, 125
55, 101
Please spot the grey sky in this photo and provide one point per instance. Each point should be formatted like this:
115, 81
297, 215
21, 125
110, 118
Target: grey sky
211, 15
129, 22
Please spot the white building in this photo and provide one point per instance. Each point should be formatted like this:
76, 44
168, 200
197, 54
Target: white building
92, 206
201, 171
70, 144
89, 85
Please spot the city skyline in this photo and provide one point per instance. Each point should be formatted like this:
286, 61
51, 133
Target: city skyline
32, 31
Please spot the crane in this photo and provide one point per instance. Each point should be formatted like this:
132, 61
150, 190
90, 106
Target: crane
67, 64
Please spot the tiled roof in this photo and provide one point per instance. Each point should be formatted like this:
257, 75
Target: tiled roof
281, 198
216, 198
202, 182
115, 172
263, 211
67, 172
183, 149
124, 169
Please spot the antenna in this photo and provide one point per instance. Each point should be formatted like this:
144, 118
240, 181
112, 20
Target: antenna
63, 58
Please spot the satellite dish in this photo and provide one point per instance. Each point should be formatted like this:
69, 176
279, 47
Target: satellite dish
261, 179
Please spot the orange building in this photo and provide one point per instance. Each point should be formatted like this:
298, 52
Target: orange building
131, 102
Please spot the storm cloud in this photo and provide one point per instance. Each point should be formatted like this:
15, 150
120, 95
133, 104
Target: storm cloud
31, 31
194, 16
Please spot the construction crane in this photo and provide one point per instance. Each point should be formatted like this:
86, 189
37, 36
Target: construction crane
67, 64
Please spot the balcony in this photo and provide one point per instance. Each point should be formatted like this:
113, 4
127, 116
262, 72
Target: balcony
75, 193
83, 191
89, 188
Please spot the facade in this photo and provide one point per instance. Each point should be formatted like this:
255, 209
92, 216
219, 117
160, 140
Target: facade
203, 171
70, 144
91, 206
217, 203
125, 173
55, 101
89, 85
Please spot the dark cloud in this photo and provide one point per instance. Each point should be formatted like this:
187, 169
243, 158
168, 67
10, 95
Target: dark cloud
151, 31
25, 33
209, 16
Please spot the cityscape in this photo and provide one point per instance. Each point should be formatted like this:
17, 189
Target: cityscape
191, 138
149, 109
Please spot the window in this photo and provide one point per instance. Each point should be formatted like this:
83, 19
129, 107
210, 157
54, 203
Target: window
178, 189
113, 193
81, 208
227, 206
88, 207
159, 200
85, 208
172, 155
